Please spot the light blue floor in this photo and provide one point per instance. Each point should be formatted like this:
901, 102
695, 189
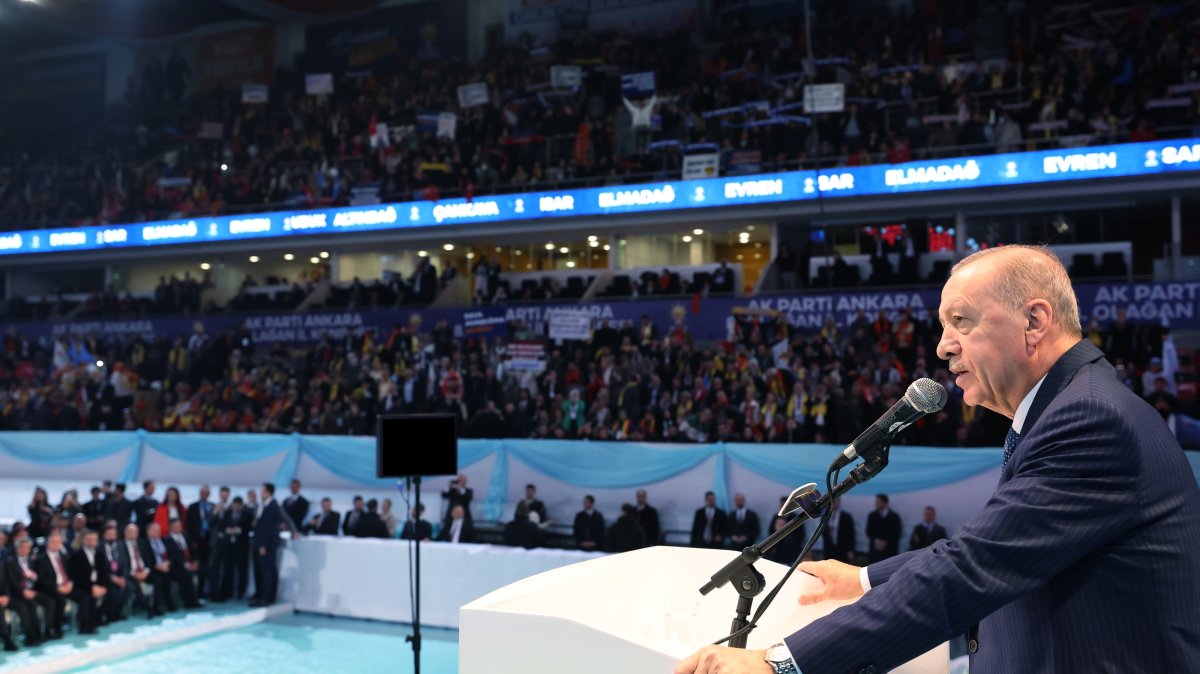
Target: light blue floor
299, 643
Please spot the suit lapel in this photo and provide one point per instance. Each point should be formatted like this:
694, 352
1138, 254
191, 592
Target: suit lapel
1083, 353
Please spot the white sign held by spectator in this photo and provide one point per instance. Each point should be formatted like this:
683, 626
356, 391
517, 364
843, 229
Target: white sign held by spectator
471, 95
565, 77
254, 93
570, 325
706, 165
447, 125
318, 84
824, 98
526, 355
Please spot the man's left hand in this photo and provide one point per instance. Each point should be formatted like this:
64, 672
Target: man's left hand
724, 660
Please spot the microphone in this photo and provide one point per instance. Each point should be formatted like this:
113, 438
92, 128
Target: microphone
924, 396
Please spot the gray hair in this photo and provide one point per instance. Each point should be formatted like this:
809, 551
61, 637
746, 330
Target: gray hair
1032, 272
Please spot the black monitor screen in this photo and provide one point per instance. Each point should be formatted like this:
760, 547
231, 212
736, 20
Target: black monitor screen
416, 445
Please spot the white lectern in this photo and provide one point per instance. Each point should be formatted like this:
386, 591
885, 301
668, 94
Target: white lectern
633, 613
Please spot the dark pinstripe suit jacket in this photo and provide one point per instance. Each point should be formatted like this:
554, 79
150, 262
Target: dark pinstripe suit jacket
1086, 558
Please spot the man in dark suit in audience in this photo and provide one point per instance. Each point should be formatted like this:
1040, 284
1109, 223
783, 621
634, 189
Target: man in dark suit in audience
200, 520
708, 525
24, 597
458, 493
119, 588
89, 580
521, 532
117, 507
11, 600
589, 526
424, 530
928, 532
140, 558
324, 523
145, 508
744, 527
625, 534
53, 582
93, 510
351, 523
266, 544
236, 525
532, 504
839, 534
458, 529
184, 565
372, 525
295, 505
647, 518
883, 531
166, 570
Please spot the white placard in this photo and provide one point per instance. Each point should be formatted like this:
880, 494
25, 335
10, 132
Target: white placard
824, 98
706, 165
471, 95
318, 84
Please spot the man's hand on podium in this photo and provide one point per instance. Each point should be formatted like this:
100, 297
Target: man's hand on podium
838, 581
723, 660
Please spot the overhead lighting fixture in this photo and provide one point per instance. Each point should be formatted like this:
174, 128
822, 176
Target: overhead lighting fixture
315, 260
549, 246
570, 264
607, 247
497, 249
99, 363
529, 265
324, 255
564, 250
289, 257
740, 256
749, 228
697, 231
593, 237
594, 243
470, 256
224, 167
205, 266
448, 247
758, 244
254, 258
687, 238
422, 253
517, 251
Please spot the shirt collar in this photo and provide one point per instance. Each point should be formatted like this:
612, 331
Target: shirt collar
1023, 409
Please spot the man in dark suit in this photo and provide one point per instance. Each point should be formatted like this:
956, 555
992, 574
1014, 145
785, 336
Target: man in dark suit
744, 528
589, 526
326, 522
708, 525
266, 544
89, 579
927, 532
295, 505
647, 518
200, 521
351, 524
625, 534
140, 557
119, 588
165, 569
24, 598
184, 565
117, 507
10, 600
235, 525
521, 532
458, 529
93, 511
458, 493
372, 525
423, 530
883, 531
145, 508
1084, 559
839, 534
53, 582
532, 505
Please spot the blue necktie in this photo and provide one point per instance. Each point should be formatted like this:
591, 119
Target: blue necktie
1010, 446
204, 518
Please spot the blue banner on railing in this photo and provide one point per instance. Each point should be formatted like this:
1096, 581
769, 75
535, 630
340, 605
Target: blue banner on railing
703, 319
1133, 159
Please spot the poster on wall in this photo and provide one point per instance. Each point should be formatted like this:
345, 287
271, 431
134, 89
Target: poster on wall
384, 40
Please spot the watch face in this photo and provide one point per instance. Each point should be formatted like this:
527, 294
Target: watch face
778, 653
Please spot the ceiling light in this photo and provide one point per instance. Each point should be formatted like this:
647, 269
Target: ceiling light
422, 253
470, 256
740, 256
593, 237
448, 246
497, 249
549, 246
606, 247
687, 238
224, 167
571, 264
749, 228
205, 266
594, 243
758, 256
528, 265
254, 258
315, 260
324, 255
289, 257
564, 250
697, 231
758, 244
517, 251
99, 363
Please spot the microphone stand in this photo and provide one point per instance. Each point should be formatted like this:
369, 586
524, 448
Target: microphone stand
747, 581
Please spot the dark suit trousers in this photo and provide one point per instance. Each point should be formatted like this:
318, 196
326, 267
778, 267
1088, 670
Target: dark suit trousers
27, 614
113, 607
266, 577
89, 618
236, 559
53, 606
204, 574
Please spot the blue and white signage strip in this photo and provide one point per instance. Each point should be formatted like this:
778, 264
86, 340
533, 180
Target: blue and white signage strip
1112, 161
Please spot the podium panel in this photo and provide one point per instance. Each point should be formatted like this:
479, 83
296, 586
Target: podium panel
630, 613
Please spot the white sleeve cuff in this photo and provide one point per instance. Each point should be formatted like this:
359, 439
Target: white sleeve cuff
864, 579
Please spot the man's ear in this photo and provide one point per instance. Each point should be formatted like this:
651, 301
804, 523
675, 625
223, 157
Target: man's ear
1039, 316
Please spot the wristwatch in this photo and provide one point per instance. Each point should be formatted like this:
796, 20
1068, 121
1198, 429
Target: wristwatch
780, 659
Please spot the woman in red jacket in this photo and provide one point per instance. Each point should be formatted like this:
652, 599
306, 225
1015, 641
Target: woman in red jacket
172, 509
